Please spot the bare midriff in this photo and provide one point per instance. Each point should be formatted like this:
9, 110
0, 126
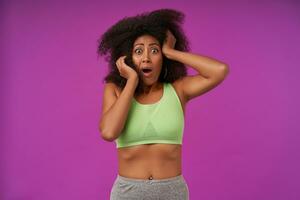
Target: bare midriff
150, 161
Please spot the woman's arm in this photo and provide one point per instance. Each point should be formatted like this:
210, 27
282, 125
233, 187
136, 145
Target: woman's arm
115, 110
210, 71
206, 66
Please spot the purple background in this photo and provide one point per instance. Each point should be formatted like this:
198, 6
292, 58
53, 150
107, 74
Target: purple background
241, 140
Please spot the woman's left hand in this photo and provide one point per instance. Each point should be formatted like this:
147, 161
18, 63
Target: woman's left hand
169, 43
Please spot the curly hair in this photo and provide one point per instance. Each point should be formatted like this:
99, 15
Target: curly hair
118, 40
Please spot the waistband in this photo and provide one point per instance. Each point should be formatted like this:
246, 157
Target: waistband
138, 181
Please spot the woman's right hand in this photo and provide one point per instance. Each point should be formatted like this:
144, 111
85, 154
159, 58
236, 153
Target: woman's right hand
125, 71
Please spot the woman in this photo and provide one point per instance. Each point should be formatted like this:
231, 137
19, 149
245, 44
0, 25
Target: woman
144, 101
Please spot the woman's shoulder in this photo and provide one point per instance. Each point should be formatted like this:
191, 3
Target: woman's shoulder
114, 87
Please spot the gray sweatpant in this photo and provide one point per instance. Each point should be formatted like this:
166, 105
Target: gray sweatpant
174, 188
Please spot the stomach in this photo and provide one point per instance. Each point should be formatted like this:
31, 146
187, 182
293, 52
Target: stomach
158, 161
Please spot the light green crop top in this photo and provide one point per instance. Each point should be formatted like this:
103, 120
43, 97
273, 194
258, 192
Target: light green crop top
161, 122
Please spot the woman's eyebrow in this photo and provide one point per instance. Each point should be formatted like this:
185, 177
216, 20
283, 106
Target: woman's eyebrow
149, 44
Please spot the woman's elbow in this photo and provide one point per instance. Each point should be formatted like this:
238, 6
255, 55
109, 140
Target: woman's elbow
107, 138
105, 134
223, 72
225, 69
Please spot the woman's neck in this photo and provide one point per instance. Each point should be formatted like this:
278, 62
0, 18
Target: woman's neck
152, 88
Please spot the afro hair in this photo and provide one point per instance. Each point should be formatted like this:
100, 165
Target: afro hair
118, 40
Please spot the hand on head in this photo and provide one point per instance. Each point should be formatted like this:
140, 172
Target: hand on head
125, 71
169, 42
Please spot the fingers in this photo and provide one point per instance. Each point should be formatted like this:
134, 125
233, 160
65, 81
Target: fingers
120, 62
123, 60
170, 39
170, 35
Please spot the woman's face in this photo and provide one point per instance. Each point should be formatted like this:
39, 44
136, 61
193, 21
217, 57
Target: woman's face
147, 57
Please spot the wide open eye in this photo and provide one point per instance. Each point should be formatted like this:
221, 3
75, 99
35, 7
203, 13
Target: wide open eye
138, 51
154, 50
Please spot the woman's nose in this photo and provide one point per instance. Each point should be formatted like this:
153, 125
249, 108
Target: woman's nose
146, 57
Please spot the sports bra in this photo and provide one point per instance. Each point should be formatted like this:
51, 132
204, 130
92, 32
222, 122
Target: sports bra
160, 122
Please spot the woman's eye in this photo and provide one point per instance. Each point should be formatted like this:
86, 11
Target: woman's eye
155, 50
138, 51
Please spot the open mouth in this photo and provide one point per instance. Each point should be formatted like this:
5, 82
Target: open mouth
147, 71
